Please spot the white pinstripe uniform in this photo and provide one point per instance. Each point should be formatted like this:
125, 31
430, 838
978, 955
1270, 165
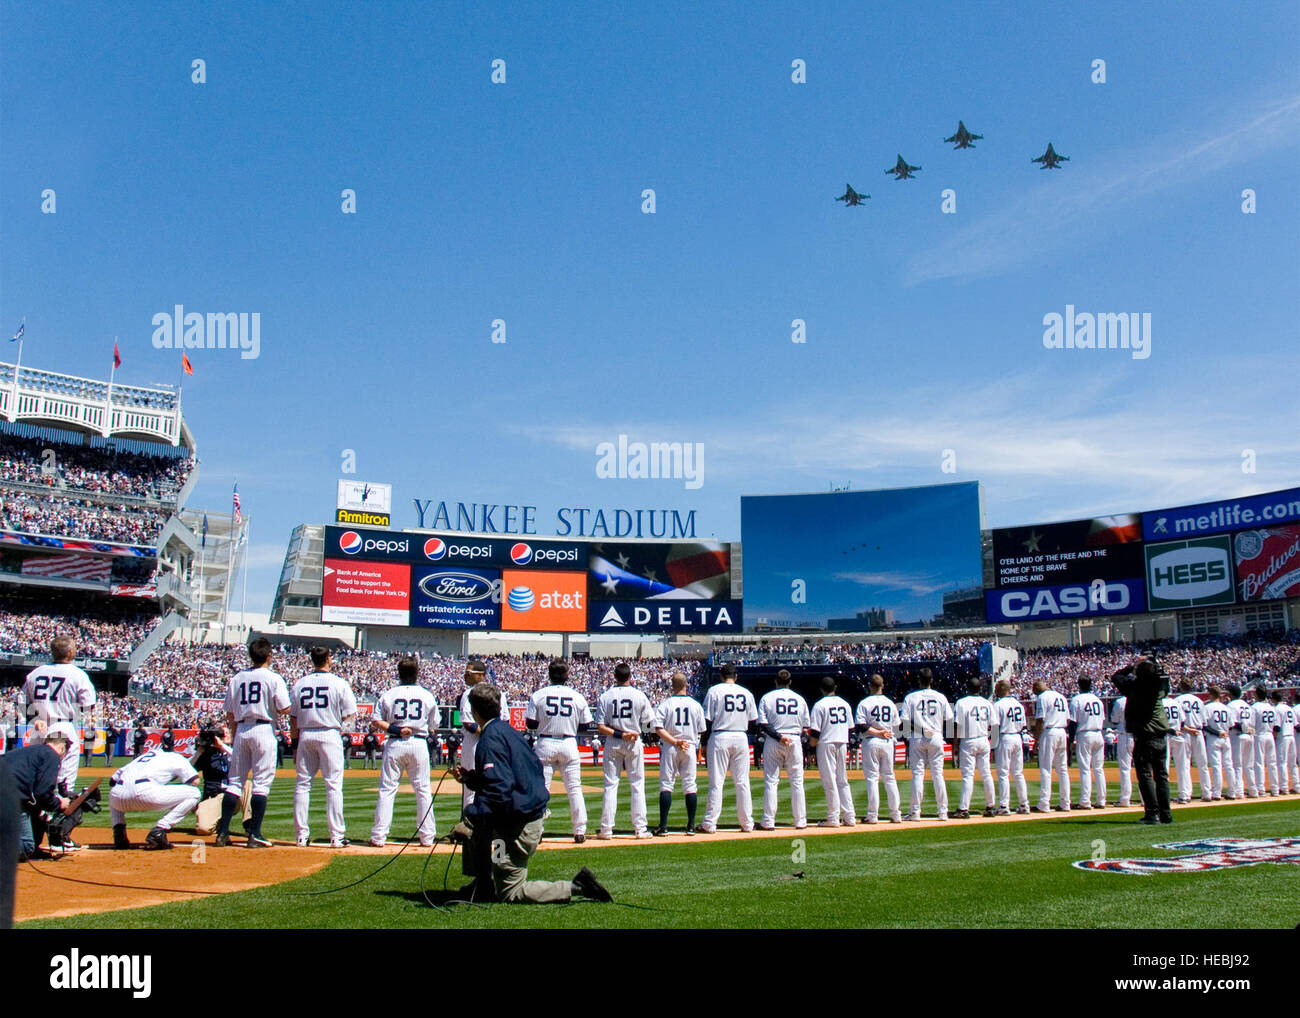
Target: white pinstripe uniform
831, 718
624, 709
560, 711
682, 717
1218, 750
319, 703
61, 692
255, 697
786, 711
927, 714
1123, 749
729, 708
144, 785
1054, 712
1009, 716
1288, 772
1089, 714
878, 711
1243, 747
1266, 720
973, 717
408, 705
1193, 748
1174, 717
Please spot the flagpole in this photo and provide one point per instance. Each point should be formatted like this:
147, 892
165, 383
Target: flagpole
243, 564
108, 402
230, 558
13, 400
202, 556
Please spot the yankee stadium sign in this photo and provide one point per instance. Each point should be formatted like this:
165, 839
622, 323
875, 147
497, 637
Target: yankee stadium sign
479, 518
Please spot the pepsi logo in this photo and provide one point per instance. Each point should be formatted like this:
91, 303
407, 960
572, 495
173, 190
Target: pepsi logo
350, 542
435, 548
520, 599
521, 554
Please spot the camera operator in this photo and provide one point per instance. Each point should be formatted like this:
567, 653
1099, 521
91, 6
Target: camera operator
503, 824
1146, 685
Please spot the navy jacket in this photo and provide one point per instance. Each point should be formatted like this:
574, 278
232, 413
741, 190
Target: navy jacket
35, 770
507, 777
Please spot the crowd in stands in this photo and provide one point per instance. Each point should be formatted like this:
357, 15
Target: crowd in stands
97, 469
107, 635
64, 516
816, 652
1273, 657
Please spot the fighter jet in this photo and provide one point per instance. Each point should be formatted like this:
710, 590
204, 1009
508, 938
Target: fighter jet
963, 137
851, 197
901, 170
1050, 160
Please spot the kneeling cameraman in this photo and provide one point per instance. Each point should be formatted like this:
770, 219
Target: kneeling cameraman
503, 825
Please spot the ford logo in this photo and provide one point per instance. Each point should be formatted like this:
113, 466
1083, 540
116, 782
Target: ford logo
459, 587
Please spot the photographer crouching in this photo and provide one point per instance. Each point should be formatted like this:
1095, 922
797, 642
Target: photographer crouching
503, 825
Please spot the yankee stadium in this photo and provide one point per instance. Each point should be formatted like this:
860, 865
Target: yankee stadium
400, 597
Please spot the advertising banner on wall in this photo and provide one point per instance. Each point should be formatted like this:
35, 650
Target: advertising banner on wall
1189, 574
1275, 507
1268, 563
366, 593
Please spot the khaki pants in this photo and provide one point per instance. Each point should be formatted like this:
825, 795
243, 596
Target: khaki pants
511, 850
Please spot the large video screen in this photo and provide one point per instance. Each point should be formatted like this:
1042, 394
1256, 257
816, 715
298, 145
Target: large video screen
458, 581
843, 555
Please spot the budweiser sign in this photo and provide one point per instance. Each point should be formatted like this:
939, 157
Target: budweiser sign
1268, 563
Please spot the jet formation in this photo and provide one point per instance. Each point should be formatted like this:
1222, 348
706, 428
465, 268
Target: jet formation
963, 138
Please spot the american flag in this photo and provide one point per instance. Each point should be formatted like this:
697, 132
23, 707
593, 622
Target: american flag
19, 334
239, 517
637, 572
69, 567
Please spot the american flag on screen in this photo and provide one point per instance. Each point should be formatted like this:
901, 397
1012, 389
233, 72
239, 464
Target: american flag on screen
238, 515
69, 567
634, 572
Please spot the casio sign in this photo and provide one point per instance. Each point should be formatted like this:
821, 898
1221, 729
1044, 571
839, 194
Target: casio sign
458, 587
1048, 602
1187, 573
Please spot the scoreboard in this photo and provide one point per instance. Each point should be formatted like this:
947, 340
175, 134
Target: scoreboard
457, 581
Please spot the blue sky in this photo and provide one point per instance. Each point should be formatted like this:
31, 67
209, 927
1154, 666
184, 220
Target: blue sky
522, 202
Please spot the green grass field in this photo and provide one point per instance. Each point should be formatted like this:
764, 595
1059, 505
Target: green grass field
966, 875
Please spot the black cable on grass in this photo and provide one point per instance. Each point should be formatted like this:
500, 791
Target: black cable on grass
392, 859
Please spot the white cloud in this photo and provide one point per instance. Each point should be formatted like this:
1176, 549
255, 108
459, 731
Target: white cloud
917, 584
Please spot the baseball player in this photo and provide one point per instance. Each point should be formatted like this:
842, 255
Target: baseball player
254, 699
730, 713
1266, 720
623, 713
1089, 715
1218, 745
557, 713
926, 715
475, 672
1243, 742
60, 692
1288, 775
144, 785
1174, 718
1193, 744
320, 704
973, 716
828, 733
1051, 715
1009, 719
878, 721
404, 712
1123, 750
680, 719
783, 715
